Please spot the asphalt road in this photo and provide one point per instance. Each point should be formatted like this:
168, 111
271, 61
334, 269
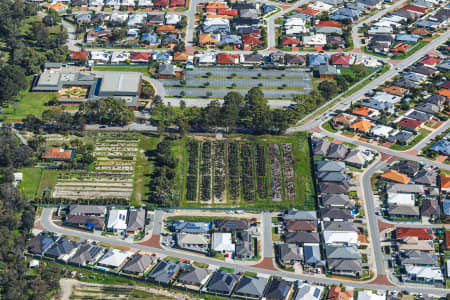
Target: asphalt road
49, 225
267, 234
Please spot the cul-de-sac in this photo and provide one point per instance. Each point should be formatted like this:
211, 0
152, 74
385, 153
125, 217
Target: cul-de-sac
238, 149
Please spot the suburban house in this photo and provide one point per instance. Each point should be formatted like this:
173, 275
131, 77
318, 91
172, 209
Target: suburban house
138, 264
194, 276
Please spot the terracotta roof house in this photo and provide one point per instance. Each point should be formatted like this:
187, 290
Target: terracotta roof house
396, 90
252, 39
227, 59
228, 12
341, 60
447, 239
59, 154
308, 11
180, 57
444, 92
344, 119
416, 9
140, 57
400, 48
167, 29
420, 31
161, 3
205, 39
217, 5
336, 293
79, 55
420, 233
177, 3
290, 41
365, 112
445, 181
430, 61
328, 24
58, 6
395, 176
362, 126
410, 124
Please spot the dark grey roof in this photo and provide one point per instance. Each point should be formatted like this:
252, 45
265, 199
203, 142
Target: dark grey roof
430, 208
320, 146
336, 200
298, 60
278, 289
251, 286
244, 245
405, 188
339, 226
312, 255
337, 151
333, 188
416, 257
436, 99
424, 70
344, 265
231, 225
77, 209
426, 177
303, 215
333, 213
222, 282
40, 243
407, 167
136, 219
419, 115
193, 275
138, 264
330, 166
166, 69
337, 252
165, 271
63, 246
333, 177
428, 108
290, 252
86, 254
403, 210
406, 82
302, 237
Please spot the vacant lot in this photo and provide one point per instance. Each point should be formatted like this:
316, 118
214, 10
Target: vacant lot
217, 82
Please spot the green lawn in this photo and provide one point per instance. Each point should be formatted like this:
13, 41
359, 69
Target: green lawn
328, 127
130, 68
422, 134
48, 181
411, 51
31, 180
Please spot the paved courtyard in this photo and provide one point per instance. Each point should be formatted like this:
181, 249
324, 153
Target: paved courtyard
276, 84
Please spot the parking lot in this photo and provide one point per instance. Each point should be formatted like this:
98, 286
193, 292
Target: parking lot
217, 82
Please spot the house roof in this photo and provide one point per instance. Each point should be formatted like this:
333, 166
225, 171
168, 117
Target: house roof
445, 181
345, 119
114, 258
415, 8
343, 60
58, 153
328, 24
330, 166
396, 176
337, 151
297, 225
165, 271
139, 263
333, 213
77, 220
430, 61
401, 47
336, 200
362, 125
308, 11
447, 239
302, 237
420, 31
312, 255
290, 40
444, 92
320, 146
217, 5
430, 208
408, 167
308, 292
427, 177
87, 253
167, 28
363, 111
193, 275
140, 56
232, 224
76, 209
304, 215
117, 219
222, 242
395, 90
63, 246
222, 282
420, 233
336, 293
290, 252
227, 59
191, 227
136, 219
333, 188
410, 123
342, 252
40, 243
79, 55
357, 156
345, 265
278, 289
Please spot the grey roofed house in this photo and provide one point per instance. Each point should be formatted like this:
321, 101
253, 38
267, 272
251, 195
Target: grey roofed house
337, 200
295, 60
244, 245
308, 292
312, 255
333, 2
302, 237
290, 253
251, 286
155, 19
430, 208
252, 13
411, 15
138, 264
91, 222
88, 210
426, 177
278, 289
344, 265
166, 70
334, 177
429, 108
344, 252
437, 99
330, 166
41, 243
193, 275
136, 219
87, 254
191, 227
357, 157
416, 257
424, 70
337, 151
444, 65
223, 282
401, 210
419, 115
406, 82
320, 146
338, 226
253, 58
405, 188
334, 213
333, 188
61, 247
165, 271
329, 30
232, 225
407, 167
302, 215
83, 18
119, 83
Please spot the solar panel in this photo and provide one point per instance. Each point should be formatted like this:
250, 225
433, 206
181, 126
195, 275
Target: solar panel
316, 292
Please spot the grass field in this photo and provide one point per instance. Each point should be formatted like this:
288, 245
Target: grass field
302, 166
31, 180
130, 68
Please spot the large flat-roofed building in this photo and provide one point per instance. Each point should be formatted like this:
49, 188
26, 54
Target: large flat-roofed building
96, 85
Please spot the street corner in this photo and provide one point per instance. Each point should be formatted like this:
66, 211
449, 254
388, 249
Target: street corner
411, 152
381, 280
382, 226
153, 242
394, 62
357, 50
266, 263
38, 225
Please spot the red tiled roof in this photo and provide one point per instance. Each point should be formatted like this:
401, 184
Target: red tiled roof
415, 8
227, 12
447, 239
174, 3
79, 55
409, 123
430, 61
161, 3
290, 40
309, 11
446, 85
420, 233
140, 55
401, 47
342, 60
253, 38
328, 24
227, 59
57, 153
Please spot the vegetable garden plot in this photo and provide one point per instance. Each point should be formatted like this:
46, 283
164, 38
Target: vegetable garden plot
275, 165
219, 171
247, 172
261, 172
288, 172
205, 173
193, 148
233, 170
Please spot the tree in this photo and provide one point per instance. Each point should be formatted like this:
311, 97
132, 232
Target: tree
12, 81
328, 89
257, 110
231, 109
180, 47
109, 111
